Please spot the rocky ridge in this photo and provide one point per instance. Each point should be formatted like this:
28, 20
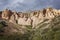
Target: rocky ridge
33, 18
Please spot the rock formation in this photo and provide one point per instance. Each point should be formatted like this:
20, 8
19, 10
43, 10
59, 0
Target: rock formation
33, 18
14, 18
6, 14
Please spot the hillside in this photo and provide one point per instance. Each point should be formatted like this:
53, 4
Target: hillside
46, 26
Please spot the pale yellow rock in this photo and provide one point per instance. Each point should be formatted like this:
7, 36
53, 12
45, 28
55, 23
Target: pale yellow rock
36, 21
30, 18
24, 21
12, 19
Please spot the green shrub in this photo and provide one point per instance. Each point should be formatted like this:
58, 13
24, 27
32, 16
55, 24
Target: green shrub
57, 35
1, 26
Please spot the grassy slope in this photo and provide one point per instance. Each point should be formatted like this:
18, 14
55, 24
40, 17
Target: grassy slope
44, 31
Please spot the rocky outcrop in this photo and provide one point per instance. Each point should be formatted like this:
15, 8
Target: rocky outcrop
14, 18
6, 14
24, 19
30, 18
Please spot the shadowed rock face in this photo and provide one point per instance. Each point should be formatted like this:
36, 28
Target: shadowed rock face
32, 18
0, 14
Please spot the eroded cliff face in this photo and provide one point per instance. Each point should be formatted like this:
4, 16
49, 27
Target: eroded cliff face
32, 18
14, 18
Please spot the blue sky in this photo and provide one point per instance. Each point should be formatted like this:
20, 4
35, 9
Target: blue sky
24, 5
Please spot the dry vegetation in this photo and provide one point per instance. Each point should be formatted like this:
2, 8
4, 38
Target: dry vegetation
43, 31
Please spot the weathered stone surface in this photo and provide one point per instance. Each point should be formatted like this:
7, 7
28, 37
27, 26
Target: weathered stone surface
6, 14
14, 18
24, 21
30, 18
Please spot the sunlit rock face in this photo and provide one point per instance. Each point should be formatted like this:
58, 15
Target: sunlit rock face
6, 14
34, 18
30, 18
16, 15
24, 20
39, 16
49, 13
14, 18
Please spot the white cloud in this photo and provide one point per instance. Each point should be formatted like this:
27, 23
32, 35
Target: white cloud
21, 1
